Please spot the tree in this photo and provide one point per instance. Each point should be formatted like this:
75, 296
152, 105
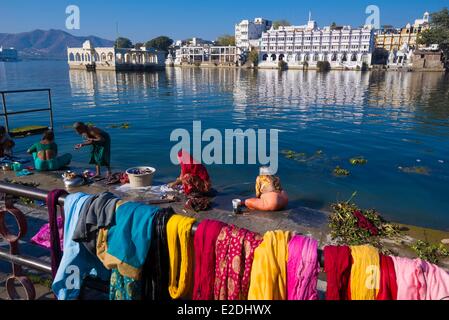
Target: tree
161, 43
254, 56
333, 26
138, 45
123, 43
438, 32
225, 40
281, 23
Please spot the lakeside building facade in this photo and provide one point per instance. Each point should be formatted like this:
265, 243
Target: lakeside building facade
124, 59
248, 33
8, 54
304, 46
392, 39
207, 55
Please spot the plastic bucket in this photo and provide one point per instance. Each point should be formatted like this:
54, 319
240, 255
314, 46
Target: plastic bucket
141, 180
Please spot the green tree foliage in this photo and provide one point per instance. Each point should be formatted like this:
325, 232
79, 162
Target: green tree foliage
254, 56
225, 40
438, 33
281, 23
123, 43
138, 45
160, 43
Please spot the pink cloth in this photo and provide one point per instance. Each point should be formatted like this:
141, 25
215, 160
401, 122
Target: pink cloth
420, 280
42, 238
302, 269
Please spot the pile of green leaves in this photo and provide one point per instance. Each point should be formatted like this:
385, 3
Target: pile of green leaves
345, 229
340, 172
432, 253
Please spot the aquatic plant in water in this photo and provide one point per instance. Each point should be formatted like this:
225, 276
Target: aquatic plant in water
432, 253
416, 170
358, 161
301, 156
340, 172
353, 226
124, 125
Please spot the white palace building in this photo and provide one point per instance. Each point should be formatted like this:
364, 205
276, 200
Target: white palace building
89, 57
303, 46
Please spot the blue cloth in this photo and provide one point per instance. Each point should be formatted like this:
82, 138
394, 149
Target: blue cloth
77, 263
130, 239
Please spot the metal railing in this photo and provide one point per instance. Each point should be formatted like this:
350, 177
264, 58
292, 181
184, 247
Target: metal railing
6, 113
13, 254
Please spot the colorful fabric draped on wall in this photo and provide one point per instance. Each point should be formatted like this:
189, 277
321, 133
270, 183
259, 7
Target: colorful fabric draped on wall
77, 262
235, 249
156, 270
302, 269
365, 273
420, 280
388, 284
337, 265
204, 245
269, 272
128, 242
180, 250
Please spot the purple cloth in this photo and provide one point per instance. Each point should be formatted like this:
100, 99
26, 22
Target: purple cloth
42, 238
53, 230
302, 269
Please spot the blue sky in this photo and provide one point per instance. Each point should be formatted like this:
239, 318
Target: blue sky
144, 19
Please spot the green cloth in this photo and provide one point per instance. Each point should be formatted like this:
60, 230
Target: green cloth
101, 151
39, 147
53, 164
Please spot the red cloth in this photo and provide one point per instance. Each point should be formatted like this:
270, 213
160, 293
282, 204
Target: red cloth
234, 259
388, 283
337, 265
204, 246
365, 224
192, 168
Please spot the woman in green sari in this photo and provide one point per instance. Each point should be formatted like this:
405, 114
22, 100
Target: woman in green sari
101, 146
45, 154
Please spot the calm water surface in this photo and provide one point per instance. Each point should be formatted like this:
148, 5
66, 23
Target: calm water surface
392, 119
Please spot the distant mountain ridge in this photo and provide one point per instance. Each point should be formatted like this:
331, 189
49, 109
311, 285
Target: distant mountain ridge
47, 44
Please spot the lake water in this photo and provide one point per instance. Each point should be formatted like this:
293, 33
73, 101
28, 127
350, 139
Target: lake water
392, 119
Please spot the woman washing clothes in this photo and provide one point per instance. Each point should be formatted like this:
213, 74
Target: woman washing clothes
269, 193
45, 154
6, 143
194, 177
195, 182
101, 146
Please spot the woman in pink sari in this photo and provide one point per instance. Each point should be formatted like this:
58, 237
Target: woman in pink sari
194, 177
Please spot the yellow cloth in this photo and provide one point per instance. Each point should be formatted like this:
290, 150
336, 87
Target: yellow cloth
267, 184
269, 271
180, 250
365, 273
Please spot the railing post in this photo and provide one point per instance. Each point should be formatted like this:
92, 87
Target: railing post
13, 241
5, 111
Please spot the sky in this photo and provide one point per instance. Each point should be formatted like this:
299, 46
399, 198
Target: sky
141, 20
